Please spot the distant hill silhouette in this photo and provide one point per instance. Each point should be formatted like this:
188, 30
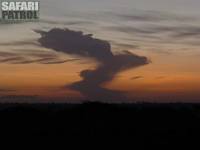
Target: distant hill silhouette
143, 122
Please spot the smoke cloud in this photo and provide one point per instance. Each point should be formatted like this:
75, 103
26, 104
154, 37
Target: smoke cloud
109, 64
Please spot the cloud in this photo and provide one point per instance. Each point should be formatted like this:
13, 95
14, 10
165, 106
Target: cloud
56, 22
11, 59
152, 16
176, 31
60, 61
136, 77
21, 60
77, 43
6, 54
32, 57
182, 34
28, 61
72, 42
124, 45
19, 43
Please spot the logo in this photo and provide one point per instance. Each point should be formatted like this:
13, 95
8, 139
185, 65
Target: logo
20, 11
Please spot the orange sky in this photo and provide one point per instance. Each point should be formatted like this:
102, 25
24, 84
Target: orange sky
159, 78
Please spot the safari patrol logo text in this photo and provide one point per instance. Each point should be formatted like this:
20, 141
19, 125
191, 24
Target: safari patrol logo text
20, 11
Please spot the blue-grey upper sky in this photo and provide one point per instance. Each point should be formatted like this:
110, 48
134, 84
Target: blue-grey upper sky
179, 6
137, 23
158, 26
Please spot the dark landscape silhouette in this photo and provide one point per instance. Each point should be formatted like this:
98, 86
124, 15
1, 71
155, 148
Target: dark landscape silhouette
142, 122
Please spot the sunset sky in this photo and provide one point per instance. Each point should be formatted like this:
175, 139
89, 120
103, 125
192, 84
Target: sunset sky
154, 51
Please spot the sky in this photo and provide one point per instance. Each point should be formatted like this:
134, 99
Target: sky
126, 51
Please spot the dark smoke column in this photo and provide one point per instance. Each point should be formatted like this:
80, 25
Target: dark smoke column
72, 42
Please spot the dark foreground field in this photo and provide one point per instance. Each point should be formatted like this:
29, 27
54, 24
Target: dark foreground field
144, 122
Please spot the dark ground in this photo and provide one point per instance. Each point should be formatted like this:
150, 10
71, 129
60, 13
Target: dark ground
146, 123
